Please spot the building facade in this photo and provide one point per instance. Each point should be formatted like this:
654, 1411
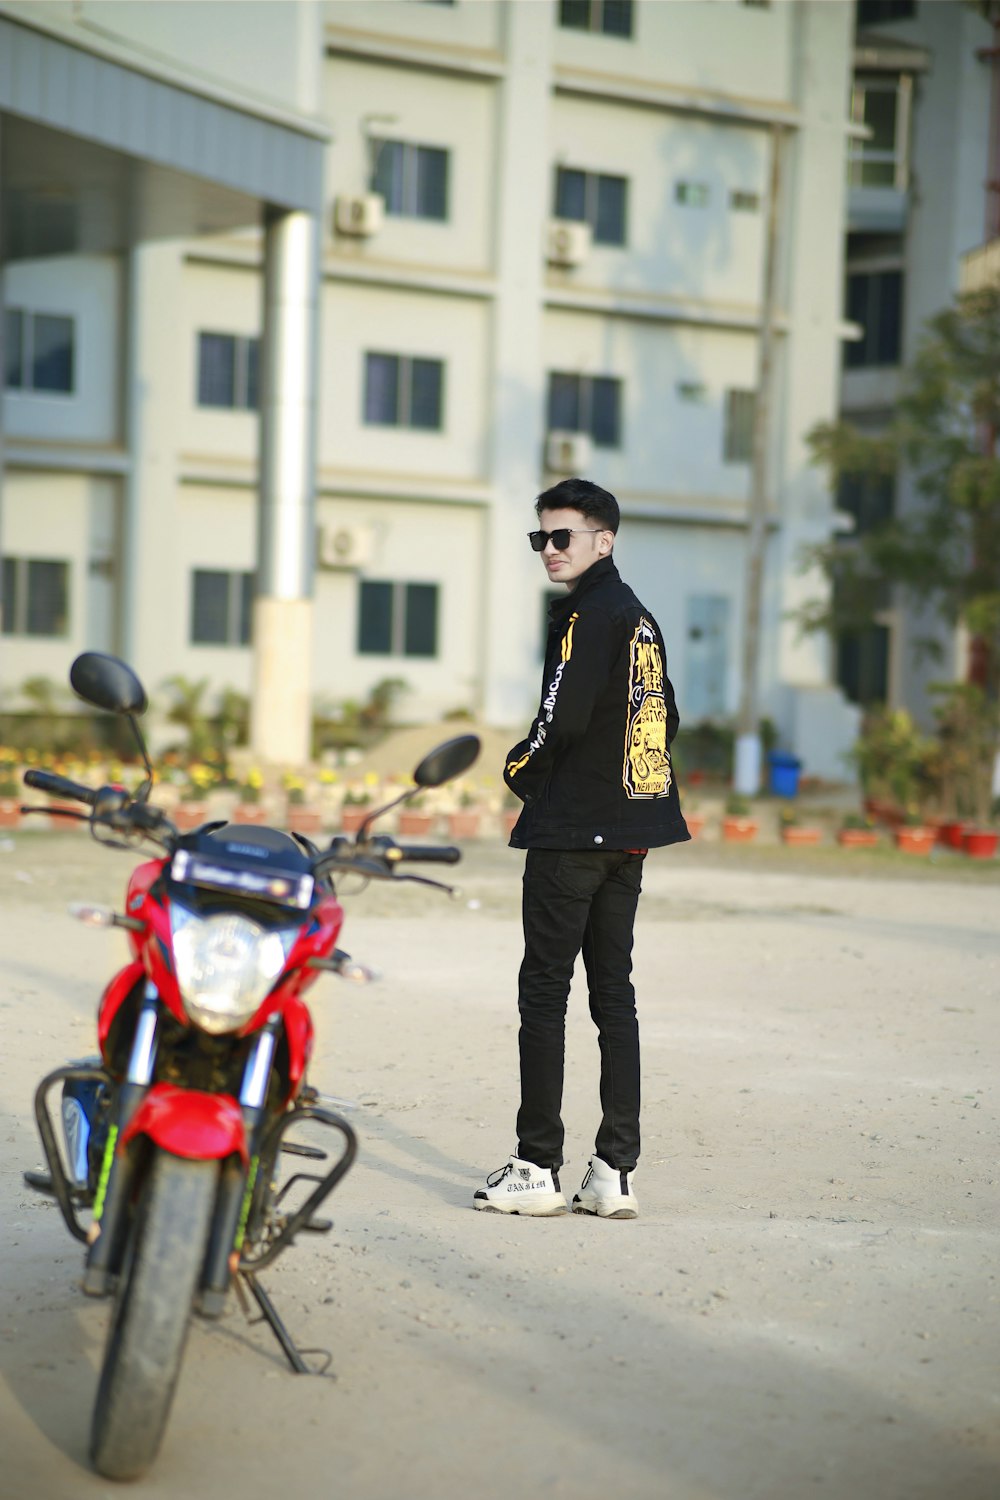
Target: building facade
917, 205
544, 236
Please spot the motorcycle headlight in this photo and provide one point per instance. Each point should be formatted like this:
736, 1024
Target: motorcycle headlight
225, 965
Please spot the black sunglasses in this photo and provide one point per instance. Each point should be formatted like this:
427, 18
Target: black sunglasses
559, 538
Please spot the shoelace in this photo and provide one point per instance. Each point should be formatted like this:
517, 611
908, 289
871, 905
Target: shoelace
498, 1176
586, 1180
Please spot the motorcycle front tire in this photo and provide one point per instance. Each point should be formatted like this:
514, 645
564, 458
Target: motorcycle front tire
152, 1314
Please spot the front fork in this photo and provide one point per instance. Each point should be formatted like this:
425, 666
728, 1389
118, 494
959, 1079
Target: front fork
118, 1168
236, 1187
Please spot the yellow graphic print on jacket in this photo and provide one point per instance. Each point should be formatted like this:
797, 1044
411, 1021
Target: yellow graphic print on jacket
646, 770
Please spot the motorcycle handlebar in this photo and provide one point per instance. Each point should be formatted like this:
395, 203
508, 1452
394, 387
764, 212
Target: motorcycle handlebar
429, 854
59, 786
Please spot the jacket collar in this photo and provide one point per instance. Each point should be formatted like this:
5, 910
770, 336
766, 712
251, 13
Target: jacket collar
601, 572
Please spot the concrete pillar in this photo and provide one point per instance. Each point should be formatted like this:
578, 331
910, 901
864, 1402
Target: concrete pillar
281, 707
157, 365
518, 418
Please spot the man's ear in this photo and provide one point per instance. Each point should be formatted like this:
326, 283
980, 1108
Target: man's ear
605, 542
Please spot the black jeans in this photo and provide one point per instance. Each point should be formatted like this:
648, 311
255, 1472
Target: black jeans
573, 900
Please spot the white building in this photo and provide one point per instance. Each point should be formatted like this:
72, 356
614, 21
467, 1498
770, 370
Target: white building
917, 204
544, 232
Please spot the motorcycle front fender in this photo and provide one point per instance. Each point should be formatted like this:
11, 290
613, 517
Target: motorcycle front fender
189, 1123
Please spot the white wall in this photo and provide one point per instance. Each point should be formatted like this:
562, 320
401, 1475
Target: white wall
671, 447
275, 57
413, 543
48, 515
720, 46
673, 249
425, 109
464, 26
357, 320
88, 290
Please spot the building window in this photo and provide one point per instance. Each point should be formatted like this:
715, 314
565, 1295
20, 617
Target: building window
882, 106
743, 202
401, 391
869, 498
593, 198
875, 300
586, 403
737, 442
221, 607
863, 664
228, 371
612, 17
397, 619
413, 180
878, 12
35, 597
39, 352
693, 194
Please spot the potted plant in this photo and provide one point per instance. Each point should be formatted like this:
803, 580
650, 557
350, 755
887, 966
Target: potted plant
738, 826
416, 819
794, 832
301, 816
968, 733
510, 811
857, 832
10, 790
354, 808
693, 818
191, 811
894, 762
914, 836
465, 817
248, 808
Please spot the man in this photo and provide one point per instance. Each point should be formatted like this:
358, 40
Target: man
595, 778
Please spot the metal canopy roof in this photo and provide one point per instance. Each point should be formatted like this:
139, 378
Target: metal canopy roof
95, 155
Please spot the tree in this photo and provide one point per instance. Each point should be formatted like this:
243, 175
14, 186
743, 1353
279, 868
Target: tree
945, 552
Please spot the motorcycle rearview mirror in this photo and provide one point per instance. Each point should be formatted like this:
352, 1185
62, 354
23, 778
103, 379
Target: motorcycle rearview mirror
439, 766
108, 683
447, 761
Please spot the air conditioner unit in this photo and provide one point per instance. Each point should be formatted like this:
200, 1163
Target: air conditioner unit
359, 214
344, 546
568, 243
568, 452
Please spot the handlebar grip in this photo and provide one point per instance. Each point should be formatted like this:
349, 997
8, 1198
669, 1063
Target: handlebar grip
429, 854
59, 786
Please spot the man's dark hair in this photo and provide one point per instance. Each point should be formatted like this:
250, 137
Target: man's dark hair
582, 495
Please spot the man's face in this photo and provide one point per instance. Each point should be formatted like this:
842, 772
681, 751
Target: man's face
587, 545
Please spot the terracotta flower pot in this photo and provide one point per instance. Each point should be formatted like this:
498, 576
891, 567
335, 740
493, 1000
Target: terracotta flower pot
415, 824
507, 820
915, 840
351, 818
189, 815
801, 835
738, 830
695, 824
249, 812
463, 825
857, 838
10, 812
307, 820
980, 843
952, 834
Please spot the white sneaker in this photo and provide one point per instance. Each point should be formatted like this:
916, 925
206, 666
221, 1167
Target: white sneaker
521, 1188
606, 1193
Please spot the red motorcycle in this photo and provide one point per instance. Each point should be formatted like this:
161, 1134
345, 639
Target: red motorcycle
172, 1138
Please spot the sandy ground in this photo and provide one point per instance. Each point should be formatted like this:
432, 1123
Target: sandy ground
807, 1306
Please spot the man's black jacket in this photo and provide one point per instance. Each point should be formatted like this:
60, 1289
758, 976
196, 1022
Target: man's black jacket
594, 771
